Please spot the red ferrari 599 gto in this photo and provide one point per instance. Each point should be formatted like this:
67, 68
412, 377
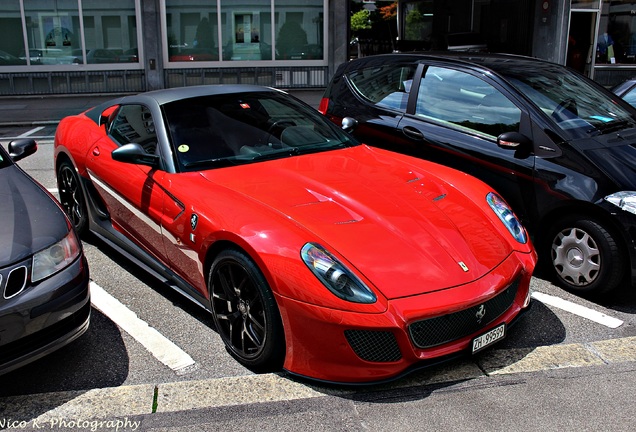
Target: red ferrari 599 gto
313, 253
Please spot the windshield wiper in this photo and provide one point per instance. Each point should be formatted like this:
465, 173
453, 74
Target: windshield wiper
214, 163
612, 126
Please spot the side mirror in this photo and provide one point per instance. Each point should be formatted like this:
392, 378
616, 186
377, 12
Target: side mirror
349, 124
133, 153
21, 148
514, 141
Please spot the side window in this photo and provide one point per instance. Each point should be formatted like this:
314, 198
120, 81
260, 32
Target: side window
387, 86
465, 101
133, 124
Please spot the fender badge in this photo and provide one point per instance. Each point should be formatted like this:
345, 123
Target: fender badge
194, 219
463, 266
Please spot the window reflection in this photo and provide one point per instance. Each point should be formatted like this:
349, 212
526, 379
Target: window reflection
12, 45
192, 30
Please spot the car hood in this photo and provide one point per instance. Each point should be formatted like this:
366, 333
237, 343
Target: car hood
615, 155
402, 226
31, 220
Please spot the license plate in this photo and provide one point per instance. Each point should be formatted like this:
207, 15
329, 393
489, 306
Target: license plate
489, 338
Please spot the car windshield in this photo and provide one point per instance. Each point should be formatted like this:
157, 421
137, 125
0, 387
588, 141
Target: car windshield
572, 102
4, 159
232, 129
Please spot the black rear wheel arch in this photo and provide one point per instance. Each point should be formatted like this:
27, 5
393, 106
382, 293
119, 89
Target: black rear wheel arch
72, 195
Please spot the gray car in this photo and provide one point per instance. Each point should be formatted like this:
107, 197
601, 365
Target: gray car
44, 276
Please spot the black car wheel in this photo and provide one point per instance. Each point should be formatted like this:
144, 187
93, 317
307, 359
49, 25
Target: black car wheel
72, 196
585, 257
245, 312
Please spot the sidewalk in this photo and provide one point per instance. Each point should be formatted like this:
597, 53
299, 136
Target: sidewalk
50, 109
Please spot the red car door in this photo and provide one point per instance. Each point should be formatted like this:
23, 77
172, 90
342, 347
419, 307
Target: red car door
132, 193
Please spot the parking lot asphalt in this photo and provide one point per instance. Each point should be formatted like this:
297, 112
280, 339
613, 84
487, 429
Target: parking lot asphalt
50, 109
139, 400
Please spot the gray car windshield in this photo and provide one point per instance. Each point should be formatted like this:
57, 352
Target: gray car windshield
574, 104
233, 129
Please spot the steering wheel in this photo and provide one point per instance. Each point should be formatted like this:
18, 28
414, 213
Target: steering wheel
566, 110
278, 126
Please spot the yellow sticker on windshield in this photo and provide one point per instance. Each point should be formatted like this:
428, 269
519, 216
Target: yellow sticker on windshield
183, 148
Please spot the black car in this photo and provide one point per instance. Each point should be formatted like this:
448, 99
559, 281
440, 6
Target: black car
44, 277
627, 90
560, 148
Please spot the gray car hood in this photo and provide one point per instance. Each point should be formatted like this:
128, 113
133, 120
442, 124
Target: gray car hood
30, 220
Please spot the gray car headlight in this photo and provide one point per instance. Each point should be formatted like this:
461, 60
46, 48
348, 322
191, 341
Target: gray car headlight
55, 258
335, 276
507, 216
625, 200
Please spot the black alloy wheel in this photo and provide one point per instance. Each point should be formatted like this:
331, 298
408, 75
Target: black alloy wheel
585, 257
245, 312
72, 196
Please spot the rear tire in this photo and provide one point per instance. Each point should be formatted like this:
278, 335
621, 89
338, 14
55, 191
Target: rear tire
585, 257
72, 196
245, 312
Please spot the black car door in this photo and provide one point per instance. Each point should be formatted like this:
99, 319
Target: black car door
454, 117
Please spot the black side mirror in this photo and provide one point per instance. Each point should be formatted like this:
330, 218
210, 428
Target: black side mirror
21, 148
135, 154
514, 141
349, 124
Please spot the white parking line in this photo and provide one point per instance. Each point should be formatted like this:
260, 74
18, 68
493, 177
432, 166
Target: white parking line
31, 132
579, 310
158, 345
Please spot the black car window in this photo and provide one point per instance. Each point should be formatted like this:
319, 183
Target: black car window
462, 100
387, 86
239, 128
134, 124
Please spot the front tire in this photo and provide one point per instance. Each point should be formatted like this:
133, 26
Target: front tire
72, 196
245, 312
586, 258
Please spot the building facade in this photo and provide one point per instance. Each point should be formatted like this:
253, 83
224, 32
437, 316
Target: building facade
96, 46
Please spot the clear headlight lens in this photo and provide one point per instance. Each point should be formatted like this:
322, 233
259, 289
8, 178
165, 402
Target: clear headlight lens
505, 213
625, 200
54, 258
335, 276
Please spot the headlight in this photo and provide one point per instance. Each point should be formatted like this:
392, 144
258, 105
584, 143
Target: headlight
335, 276
501, 209
624, 200
54, 258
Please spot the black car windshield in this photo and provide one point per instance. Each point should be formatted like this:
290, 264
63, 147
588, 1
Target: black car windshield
231, 129
576, 106
4, 159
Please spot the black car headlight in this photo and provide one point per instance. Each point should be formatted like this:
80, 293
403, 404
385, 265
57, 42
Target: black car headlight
625, 200
335, 276
506, 215
55, 258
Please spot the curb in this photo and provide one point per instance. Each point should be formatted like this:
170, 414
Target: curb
147, 399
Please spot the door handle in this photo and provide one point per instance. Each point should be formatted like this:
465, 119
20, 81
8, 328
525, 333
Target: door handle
412, 133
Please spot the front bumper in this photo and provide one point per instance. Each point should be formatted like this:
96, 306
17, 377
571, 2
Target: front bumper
349, 347
44, 317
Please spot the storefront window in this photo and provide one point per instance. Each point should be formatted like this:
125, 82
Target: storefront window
110, 31
192, 30
246, 30
54, 34
53, 31
616, 42
299, 29
585, 4
12, 44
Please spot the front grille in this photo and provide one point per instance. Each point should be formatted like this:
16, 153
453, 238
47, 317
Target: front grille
16, 281
374, 346
443, 329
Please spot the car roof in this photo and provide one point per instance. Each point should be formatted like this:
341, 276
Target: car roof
495, 62
173, 94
